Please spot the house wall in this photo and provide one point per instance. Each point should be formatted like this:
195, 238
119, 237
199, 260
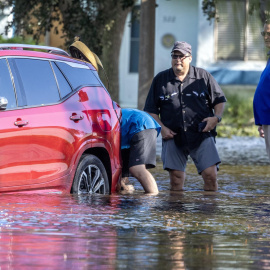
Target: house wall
184, 20
205, 48
4, 19
175, 20
128, 82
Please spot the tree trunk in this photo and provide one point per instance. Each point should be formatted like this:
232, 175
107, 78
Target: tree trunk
147, 49
111, 52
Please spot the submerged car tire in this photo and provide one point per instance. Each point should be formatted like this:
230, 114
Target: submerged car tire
90, 177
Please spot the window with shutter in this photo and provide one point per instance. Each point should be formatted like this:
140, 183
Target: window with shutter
237, 32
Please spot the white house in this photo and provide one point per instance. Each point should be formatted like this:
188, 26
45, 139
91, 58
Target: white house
4, 19
232, 50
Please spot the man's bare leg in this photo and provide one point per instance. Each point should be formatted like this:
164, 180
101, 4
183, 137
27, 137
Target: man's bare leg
146, 179
177, 180
210, 178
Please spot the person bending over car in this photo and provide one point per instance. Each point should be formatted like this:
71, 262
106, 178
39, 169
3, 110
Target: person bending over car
139, 133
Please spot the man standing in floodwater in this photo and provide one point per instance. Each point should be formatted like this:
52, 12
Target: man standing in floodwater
188, 104
261, 102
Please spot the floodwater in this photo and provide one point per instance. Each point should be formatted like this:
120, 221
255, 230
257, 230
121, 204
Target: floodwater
193, 229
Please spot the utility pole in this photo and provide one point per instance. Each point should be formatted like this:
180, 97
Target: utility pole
147, 49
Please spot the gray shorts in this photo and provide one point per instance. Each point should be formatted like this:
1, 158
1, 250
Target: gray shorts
204, 156
142, 151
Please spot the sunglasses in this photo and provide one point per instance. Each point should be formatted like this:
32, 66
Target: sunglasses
265, 34
181, 57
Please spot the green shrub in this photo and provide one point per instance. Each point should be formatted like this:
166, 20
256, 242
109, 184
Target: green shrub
18, 40
238, 117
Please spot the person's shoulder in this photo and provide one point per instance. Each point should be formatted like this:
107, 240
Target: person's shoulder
163, 73
133, 112
200, 70
164, 76
141, 114
126, 112
201, 73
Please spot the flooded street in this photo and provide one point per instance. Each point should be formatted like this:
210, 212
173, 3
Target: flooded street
194, 229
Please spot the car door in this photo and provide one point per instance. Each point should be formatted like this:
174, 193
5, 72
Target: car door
15, 154
56, 119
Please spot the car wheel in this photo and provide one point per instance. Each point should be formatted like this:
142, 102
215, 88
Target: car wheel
90, 177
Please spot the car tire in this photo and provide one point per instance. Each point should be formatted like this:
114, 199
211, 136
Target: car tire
90, 177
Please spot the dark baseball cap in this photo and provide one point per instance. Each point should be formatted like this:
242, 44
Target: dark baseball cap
182, 47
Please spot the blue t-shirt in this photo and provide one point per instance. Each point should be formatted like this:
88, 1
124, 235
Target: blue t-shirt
261, 101
134, 121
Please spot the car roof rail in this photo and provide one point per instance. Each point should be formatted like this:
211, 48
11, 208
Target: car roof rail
28, 46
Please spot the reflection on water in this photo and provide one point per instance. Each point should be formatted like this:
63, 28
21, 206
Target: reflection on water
194, 229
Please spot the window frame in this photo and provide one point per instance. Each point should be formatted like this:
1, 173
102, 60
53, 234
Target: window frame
12, 82
65, 78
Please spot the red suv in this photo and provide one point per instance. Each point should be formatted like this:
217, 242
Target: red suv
59, 126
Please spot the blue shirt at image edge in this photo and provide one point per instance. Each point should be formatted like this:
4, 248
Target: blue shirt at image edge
261, 102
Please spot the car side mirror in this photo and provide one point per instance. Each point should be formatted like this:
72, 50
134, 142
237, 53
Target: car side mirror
3, 103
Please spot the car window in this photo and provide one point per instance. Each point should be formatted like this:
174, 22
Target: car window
38, 81
78, 75
6, 86
103, 77
64, 87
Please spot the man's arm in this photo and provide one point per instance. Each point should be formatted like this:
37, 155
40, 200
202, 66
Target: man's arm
261, 131
166, 133
212, 121
219, 108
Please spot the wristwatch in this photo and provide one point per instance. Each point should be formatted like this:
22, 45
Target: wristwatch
219, 118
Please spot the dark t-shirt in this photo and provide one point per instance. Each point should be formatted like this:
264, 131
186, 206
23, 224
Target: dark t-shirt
183, 105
